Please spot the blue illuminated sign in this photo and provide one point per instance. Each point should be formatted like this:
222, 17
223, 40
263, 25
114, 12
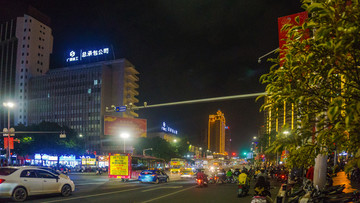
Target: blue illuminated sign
74, 56
166, 128
120, 108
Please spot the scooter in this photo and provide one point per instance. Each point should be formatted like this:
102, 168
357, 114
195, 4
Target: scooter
201, 183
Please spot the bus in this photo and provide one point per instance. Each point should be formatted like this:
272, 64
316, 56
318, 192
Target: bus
126, 166
177, 165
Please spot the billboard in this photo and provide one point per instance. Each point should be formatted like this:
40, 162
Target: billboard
114, 125
119, 166
290, 19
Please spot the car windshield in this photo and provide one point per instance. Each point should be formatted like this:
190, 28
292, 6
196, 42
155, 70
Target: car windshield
7, 171
147, 172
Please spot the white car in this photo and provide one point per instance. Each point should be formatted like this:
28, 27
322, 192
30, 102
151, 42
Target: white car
23, 181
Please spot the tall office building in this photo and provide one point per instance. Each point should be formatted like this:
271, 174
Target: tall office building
25, 47
77, 96
216, 132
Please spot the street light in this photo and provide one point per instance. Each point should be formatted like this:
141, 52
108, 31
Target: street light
286, 132
175, 140
255, 137
9, 105
80, 135
124, 135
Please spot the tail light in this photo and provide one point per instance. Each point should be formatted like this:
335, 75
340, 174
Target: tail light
240, 186
198, 180
282, 176
2, 180
152, 175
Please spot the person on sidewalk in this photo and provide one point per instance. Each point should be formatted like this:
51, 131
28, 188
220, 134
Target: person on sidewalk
310, 173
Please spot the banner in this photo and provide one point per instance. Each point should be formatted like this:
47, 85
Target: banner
290, 19
115, 125
88, 161
119, 165
6, 142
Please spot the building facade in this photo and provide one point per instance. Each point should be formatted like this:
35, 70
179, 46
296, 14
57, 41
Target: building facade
216, 132
26, 43
80, 96
228, 139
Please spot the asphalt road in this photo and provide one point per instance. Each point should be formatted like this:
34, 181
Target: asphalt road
91, 188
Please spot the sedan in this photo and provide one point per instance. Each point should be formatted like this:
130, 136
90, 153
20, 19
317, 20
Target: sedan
23, 181
153, 176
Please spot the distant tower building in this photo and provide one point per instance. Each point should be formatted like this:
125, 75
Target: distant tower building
25, 46
216, 132
227, 139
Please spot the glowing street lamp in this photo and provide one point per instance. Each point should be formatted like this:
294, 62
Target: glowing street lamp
255, 137
175, 140
124, 135
80, 135
286, 132
9, 105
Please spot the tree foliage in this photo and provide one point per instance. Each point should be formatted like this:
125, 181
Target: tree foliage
320, 75
47, 143
162, 148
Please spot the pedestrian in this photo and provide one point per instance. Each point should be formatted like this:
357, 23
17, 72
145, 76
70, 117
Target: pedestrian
310, 173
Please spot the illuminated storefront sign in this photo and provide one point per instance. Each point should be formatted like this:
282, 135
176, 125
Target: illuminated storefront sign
166, 128
74, 56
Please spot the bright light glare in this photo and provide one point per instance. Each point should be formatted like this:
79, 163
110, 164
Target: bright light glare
80, 135
200, 148
255, 137
286, 132
124, 135
9, 104
175, 140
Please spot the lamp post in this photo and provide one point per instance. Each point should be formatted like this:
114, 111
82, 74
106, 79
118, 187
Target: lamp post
124, 136
9, 105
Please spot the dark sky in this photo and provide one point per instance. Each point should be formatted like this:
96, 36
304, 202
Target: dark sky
183, 49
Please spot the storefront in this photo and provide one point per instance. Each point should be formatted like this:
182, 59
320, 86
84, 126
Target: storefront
103, 161
69, 161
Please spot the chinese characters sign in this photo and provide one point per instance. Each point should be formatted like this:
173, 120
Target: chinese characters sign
75, 56
166, 128
119, 165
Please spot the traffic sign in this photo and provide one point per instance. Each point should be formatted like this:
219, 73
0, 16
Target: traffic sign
120, 108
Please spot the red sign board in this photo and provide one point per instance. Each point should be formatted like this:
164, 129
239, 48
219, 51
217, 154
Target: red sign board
290, 19
6, 142
115, 125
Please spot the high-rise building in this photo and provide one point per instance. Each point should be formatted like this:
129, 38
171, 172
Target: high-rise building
216, 132
26, 43
78, 97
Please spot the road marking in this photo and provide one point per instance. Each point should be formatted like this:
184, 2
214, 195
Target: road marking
95, 195
161, 188
94, 183
169, 194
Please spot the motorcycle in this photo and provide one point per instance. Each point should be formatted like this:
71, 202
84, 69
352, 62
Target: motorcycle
201, 183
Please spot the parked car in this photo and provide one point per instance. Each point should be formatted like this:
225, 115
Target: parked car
155, 176
20, 182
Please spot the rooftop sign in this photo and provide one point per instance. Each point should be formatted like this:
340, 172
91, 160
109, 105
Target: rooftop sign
166, 128
88, 55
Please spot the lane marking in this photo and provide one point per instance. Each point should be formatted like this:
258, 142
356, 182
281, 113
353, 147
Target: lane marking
169, 194
97, 183
95, 195
161, 188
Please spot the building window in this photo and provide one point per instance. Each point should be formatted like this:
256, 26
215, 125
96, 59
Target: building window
30, 20
22, 54
28, 46
24, 38
27, 54
27, 62
89, 91
26, 69
20, 117
29, 29
29, 37
25, 30
25, 20
23, 45
22, 62
48, 95
21, 77
21, 84
22, 70
95, 82
20, 90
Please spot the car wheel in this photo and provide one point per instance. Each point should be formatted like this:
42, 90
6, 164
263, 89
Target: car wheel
66, 190
157, 181
19, 194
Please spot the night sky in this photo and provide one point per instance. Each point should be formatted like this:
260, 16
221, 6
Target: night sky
184, 49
